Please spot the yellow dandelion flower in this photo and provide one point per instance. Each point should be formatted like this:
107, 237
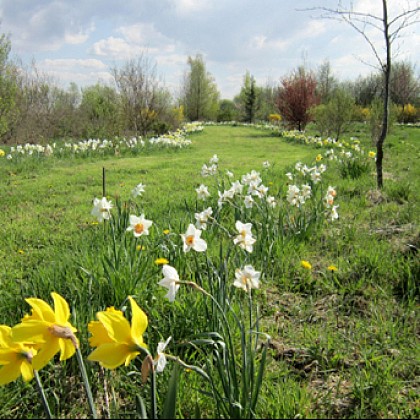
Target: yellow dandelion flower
166, 231
306, 264
332, 268
161, 261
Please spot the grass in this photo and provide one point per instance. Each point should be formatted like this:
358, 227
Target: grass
344, 343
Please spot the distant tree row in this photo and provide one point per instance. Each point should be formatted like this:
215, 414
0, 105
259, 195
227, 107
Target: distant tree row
33, 108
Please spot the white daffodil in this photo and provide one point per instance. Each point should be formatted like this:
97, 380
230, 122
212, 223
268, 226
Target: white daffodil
247, 278
160, 359
138, 190
170, 281
202, 192
202, 218
245, 239
192, 239
139, 225
249, 201
101, 209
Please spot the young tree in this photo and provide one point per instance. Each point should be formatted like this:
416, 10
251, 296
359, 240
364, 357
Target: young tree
389, 27
326, 82
296, 96
200, 96
405, 87
140, 94
8, 87
333, 117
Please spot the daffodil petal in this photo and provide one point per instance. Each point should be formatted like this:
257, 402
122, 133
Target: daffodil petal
41, 310
27, 371
67, 348
9, 373
61, 307
46, 353
99, 334
32, 331
110, 355
5, 332
117, 326
138, 321
7, 356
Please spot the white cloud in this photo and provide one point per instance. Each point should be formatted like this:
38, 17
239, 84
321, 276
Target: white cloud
117, 48
188, 7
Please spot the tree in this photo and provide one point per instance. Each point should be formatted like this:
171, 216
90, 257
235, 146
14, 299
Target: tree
8, 87
200, 96
333, 117
405, 87
99, 109
390, 27
326, 82
140, 94
296, 96
227, 110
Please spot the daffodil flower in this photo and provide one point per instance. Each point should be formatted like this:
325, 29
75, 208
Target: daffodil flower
139, 225
159, 361
247, 278
16, 358
192, 239
101, 209
116, 341
170, 281
48, 328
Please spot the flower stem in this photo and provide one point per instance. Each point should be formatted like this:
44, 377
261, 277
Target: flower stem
86, 383
153, 390
42, 395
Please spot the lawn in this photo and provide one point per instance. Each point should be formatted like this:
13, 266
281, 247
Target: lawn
338, 298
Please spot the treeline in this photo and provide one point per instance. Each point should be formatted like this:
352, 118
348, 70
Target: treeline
34, 109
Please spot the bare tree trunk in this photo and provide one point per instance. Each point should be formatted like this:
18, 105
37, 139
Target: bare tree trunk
385, 118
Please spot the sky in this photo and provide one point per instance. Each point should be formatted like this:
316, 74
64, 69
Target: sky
80, 41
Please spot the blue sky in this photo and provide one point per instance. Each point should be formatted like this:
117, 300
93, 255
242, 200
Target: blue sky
80, 41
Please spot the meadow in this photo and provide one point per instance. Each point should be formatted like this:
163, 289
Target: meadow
310, 311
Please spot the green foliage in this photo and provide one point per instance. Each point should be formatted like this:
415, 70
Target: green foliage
333, 118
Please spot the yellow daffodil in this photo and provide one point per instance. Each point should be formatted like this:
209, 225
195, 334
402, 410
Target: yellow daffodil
48, 328
115, 340
16, 358
306, 264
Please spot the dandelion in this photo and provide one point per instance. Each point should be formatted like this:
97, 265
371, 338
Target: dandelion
372, 154
192, 239
139, 225
138, 190
332, 268
170, 281
48, 328
166, 232
101, 209
161, 261
16, 358
116, 341
2, 152
306, 265
247, 278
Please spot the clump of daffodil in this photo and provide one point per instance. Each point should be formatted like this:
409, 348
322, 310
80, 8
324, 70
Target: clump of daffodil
48, 329
116, 341
16, 358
